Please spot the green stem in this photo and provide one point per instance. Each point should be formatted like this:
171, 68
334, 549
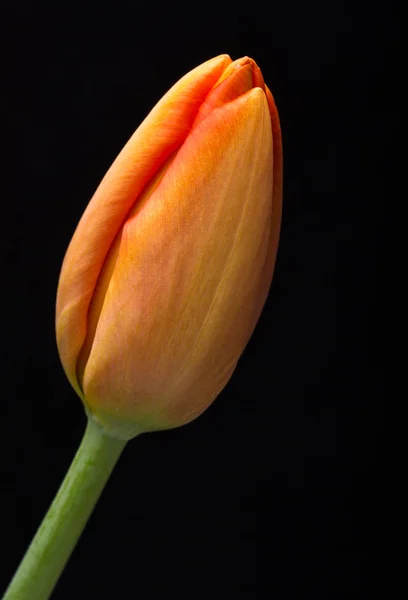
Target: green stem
64, 522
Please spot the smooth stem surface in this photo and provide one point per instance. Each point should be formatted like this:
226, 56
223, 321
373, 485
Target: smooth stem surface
64, 522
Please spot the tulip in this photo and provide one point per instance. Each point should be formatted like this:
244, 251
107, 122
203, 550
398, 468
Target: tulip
169, 268
163, 282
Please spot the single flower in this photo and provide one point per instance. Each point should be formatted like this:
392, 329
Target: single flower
170, 265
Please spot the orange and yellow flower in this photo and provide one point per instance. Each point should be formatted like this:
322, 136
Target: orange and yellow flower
169, 268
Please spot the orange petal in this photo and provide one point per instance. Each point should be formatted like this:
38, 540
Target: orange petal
238, 82
182, 299
162, 132
276, 215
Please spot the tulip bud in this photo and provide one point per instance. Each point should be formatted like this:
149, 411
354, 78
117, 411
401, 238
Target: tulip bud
170, 265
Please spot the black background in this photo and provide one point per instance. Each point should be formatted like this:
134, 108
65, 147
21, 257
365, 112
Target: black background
272, 493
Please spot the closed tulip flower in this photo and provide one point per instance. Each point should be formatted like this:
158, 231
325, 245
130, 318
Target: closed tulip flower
163, 282
169, 268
